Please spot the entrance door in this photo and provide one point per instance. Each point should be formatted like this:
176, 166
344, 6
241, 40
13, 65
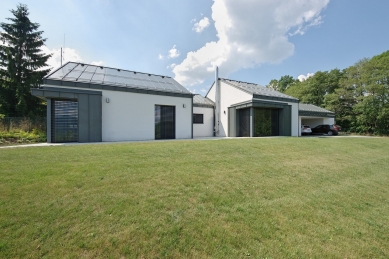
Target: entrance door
64, 121
165, 122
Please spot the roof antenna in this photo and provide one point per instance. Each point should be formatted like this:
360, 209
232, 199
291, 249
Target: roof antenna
63, 57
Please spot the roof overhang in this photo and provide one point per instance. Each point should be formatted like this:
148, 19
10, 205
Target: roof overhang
60, 93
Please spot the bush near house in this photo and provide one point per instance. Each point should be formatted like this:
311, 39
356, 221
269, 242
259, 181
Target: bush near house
20, 130
233, 198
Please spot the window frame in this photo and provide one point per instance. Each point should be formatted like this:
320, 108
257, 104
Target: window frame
201, 115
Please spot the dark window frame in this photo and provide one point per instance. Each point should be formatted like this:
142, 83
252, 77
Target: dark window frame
198, 118
164, 122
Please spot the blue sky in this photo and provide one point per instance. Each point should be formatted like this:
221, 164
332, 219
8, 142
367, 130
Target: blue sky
250, 40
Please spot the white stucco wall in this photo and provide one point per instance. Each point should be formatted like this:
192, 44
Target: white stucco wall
130, 116
205, 129
229, 95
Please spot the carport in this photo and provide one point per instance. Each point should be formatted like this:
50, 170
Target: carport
312, 116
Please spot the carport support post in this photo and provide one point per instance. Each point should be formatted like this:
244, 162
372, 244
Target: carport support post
48, 120
251, 122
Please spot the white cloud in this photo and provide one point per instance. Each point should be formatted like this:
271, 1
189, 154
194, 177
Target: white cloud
201, 25
305, 77
171, 66
193, 20
68, 54
174, 53
203, 90
97, 63
160, 57
249, 34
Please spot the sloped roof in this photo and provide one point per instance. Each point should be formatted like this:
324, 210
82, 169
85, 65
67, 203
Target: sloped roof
312, 108
99, 75
199, 100
256, 89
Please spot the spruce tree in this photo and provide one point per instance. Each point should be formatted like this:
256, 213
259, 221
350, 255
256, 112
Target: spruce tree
22, 65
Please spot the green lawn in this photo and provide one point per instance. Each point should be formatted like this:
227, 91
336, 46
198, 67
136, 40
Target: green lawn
237, 198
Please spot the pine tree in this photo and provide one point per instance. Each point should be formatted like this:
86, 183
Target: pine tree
22, 65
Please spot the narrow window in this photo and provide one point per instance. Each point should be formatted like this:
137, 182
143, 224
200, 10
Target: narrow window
198, 118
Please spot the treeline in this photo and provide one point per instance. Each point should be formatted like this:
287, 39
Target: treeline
358, 95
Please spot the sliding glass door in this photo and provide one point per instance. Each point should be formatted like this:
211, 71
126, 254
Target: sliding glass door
165, 122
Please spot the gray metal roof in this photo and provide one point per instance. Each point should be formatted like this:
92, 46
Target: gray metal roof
256, 89
312, 108
198, 99
98, 75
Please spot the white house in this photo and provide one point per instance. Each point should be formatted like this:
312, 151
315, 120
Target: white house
88, 103
250, 110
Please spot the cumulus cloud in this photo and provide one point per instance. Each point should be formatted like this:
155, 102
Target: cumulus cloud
201, 25
160, 57
68, 54
305, 77
174, 53
249, 34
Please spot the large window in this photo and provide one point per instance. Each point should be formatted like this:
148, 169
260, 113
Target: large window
165, 122
198, 118
266, 122
64, 121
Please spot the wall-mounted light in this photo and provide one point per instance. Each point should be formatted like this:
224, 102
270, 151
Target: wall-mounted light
184, 105
107, 100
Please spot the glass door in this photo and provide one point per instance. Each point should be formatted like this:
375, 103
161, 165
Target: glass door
165, 122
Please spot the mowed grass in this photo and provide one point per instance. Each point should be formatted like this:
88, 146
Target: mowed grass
235, 198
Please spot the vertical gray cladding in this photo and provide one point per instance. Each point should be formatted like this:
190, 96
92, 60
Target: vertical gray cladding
285, 120
89, 110
48, 123
95, 120
83, 118
90, 113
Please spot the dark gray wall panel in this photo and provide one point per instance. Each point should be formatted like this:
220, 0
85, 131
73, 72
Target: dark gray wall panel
48, 118
95, 123
287, 120
83, 118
